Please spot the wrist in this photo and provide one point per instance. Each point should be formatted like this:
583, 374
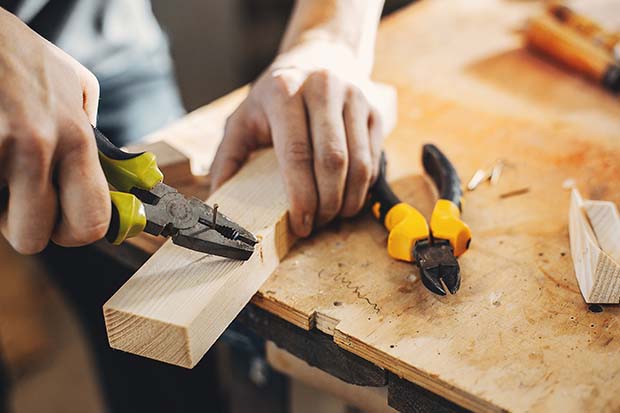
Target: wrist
312, 53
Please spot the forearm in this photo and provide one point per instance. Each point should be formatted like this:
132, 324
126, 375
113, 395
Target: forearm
351, 23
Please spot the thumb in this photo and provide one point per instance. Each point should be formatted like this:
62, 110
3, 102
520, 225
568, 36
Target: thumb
234, 149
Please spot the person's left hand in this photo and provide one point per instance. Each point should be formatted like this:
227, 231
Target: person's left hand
310, 104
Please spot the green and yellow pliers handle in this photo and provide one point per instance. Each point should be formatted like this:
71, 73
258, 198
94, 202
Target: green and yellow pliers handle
125, 171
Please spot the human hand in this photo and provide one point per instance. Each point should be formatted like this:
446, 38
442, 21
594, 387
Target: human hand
51, 184
313, 105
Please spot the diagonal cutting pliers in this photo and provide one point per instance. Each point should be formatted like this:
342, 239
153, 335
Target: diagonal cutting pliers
433, 247
144, 203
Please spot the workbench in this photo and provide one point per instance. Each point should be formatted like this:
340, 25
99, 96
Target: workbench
518, 335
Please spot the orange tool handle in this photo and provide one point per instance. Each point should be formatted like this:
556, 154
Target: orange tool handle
548, 35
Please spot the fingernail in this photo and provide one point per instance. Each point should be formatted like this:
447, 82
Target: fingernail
307, 223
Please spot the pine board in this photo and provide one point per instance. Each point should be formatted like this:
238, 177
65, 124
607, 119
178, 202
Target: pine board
177, 304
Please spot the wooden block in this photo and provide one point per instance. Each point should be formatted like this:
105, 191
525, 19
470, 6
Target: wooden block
175, 165
594, 228
176, 306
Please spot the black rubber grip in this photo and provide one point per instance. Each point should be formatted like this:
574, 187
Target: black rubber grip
611, 80
109, 149
115, 222
441, 170
381, 192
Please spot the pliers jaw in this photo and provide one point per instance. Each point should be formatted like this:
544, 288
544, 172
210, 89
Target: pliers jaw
210, 241
216, 234
193, 224
438, 266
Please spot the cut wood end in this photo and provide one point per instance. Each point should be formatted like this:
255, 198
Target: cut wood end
598, 274
148, 338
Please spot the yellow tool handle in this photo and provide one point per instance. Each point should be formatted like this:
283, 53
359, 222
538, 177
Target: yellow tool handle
128, 217
446, 224
407, 226
127, 170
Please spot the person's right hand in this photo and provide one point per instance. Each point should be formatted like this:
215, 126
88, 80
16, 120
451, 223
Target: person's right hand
51, 183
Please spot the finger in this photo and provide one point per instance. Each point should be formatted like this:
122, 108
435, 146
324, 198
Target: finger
29, 218
329, 143
289, 129
375, 133
83, 191
233, 150
359, 173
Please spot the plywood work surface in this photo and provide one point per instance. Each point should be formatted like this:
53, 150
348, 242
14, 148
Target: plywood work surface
518, 335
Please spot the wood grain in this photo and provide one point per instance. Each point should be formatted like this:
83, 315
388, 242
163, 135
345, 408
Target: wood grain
176, 306
518, 336
594, 228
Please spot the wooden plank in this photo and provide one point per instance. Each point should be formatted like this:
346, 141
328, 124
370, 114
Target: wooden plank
594, 228
198, 134
176, 306
174, 164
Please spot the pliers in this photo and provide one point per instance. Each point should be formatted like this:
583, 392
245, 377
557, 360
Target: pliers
145, 203
410, 239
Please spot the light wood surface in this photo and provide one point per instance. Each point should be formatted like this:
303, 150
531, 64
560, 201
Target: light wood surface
176, 306
594, 228
518, 335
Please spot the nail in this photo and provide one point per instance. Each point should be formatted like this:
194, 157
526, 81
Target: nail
307, 223
215, 207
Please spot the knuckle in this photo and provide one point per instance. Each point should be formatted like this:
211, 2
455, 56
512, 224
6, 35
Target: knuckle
333, 160
321, 77
36, 144
281, 85
298, 152
361, 172
355, 94
375, 122
320, 84
81, 138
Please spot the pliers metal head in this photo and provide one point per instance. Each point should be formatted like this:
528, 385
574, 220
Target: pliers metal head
438, 266
193, 224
